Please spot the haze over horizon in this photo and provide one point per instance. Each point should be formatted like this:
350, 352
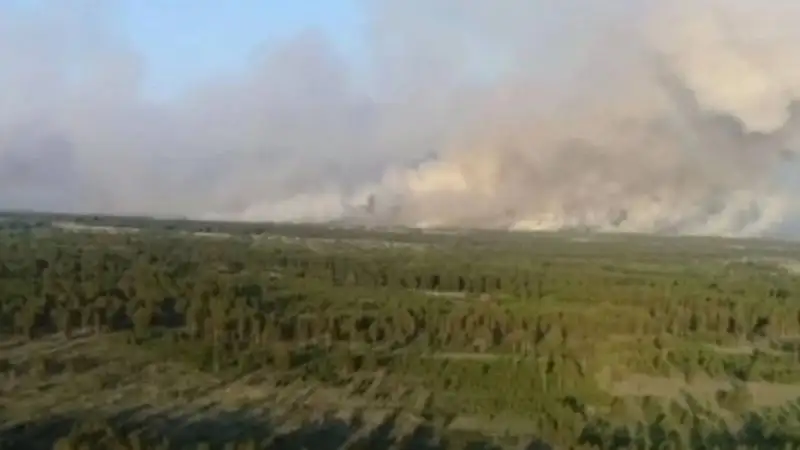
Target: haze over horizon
638, 115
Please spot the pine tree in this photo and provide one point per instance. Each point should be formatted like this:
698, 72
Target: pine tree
61, 317
142, 320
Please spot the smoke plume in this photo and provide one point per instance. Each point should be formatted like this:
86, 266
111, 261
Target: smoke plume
637, 115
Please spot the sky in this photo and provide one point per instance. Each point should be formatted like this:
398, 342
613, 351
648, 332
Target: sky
632, 115
185, 42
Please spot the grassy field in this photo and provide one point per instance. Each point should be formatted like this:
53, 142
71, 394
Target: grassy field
131, 333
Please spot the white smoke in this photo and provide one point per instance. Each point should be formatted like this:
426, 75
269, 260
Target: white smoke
678, 120
637, 115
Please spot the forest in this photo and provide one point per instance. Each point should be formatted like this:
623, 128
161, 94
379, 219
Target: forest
134, 333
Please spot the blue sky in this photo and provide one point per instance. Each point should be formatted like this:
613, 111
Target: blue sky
187, 41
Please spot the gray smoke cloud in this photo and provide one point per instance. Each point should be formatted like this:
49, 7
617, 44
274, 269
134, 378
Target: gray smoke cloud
636, 115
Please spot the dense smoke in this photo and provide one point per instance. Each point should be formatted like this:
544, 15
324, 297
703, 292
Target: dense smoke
637, 115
